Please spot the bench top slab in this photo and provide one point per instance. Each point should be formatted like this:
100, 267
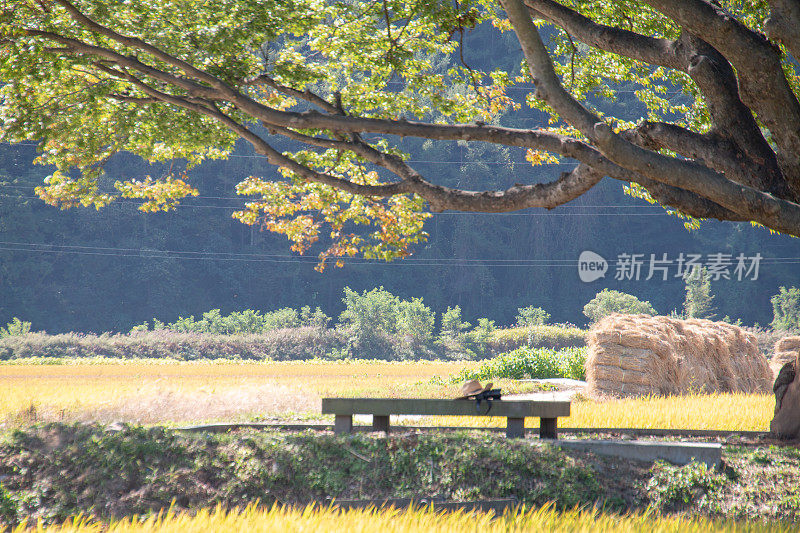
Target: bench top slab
392, 406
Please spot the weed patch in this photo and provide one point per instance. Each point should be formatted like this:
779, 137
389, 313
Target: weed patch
673, 488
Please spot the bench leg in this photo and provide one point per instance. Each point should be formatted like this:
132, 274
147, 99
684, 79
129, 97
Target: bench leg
515, 428
548, 428
343, 424
380, 423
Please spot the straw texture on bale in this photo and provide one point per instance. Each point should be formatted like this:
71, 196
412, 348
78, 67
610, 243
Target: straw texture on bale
639, 355
786, 351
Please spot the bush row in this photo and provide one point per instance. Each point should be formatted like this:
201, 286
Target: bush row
375, 324
277, 345
286, 344
540, 336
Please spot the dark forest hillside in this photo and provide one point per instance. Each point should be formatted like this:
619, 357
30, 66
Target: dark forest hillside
88, 270
114, 268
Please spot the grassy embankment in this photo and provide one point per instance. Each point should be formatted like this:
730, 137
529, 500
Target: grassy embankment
57, 471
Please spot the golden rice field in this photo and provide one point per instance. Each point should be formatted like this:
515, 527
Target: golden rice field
193, 392
148, 393
314, 519
729, 412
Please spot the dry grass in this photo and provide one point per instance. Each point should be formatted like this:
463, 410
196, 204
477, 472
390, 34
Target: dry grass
254, 518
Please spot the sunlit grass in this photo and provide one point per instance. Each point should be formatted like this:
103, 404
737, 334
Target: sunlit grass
729, 412
192, 392
315, 519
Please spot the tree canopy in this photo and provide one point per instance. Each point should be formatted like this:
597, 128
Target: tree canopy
717, 134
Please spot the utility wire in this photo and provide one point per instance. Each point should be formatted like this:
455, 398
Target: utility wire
299, 260
149, 253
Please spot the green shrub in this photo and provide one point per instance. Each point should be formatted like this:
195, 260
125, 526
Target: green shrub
610, 301
698, 302
786, 309
531, 363
381, 325
313, 319
281, 318
8, 508
481, 336
369, 312
242, 322
532, 316
15, 327
453, 336
415, 321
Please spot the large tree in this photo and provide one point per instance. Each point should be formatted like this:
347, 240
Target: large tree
718, 136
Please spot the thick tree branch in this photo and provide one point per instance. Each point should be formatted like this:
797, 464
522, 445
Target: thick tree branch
651, 50
783, 25
548, 86
759, 72
706, 66
550, 195
748, 202
568, 187
547, 195
687, 202
731, 119
713, 150
306, 95
139, 44
658, 135
776, 213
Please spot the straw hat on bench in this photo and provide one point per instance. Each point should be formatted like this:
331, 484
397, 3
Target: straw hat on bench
472, 388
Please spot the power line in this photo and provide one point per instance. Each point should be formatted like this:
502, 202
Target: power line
148, 253
423, 161
104, 249
298, 260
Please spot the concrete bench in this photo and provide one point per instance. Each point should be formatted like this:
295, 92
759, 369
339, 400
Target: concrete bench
381, 408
